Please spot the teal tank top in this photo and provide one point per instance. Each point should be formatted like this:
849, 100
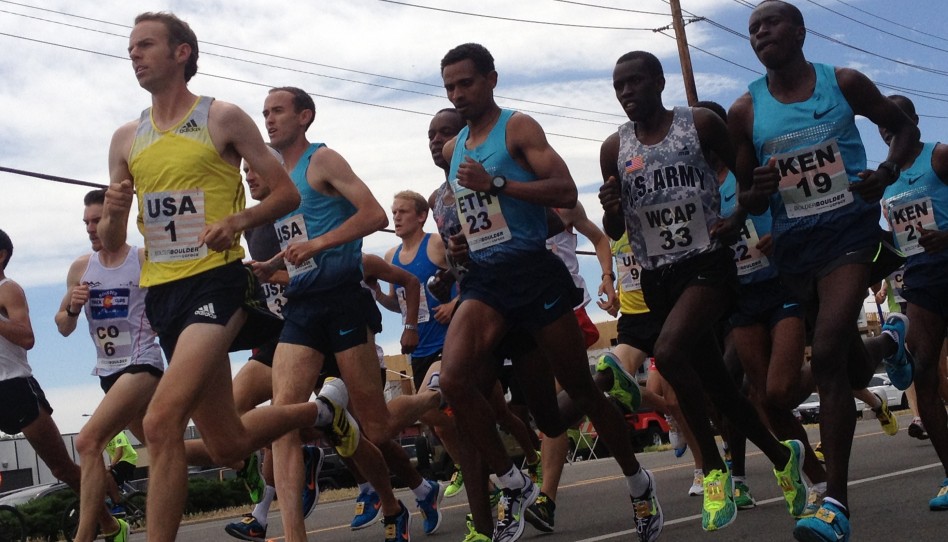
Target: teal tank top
919, 198
819, 152
317, 215
500, 227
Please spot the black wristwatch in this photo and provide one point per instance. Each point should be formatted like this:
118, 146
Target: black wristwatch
892, 168
497, 184
72, 314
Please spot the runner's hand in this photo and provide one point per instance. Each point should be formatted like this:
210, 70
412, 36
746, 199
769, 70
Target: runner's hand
872, 185
766, 245
932, 240
118, 198
766, 178
471, 174
610, 196
458, 249
218, 236
79, 296
409, 340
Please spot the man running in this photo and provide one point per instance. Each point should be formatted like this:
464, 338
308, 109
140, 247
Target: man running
105, 285
799, 153
917, 209
182, 157
661, 190
503, 174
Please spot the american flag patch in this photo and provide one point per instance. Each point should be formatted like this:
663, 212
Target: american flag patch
635, 164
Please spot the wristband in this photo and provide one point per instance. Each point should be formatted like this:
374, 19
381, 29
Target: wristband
412, 327
610, 274
72, 314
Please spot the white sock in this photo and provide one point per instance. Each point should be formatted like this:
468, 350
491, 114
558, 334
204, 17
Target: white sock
323, 415
422, 490
838, 505
263, 507
366, 487
513, 479
638, 483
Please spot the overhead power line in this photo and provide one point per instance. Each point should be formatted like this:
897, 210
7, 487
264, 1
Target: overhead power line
877, 29
942, 38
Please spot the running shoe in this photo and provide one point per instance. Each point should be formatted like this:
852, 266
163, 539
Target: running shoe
248, 528
917, 429
252, 477
675, 438
472, 534
790, 479
368, 509
510, 511
742, 496
457, 483
535, 471
121, 535
624, 387
898, 366
495, 495
398, 527
118, 511
818, 452
428, 506
719, 510
829, 524
649, 519
312, 463
344, 430
940, 502
697, 486
541, 513
889, 423
814, 496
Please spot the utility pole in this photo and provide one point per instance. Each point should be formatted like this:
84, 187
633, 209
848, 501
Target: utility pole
684, 56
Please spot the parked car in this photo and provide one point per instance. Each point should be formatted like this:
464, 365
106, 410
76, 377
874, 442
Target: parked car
809, 410
24, 495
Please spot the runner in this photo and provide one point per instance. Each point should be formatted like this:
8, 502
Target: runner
668, 203
23, 405
105, 285
917, 209
800, 154
182, 157
503, 174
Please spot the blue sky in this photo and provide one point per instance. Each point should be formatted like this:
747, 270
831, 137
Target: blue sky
373, 68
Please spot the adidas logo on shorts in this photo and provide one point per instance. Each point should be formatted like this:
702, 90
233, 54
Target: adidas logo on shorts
206, 311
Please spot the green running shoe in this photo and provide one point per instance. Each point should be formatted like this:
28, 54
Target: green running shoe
719, 509
742, 496
790, 479
624, 388
457, 483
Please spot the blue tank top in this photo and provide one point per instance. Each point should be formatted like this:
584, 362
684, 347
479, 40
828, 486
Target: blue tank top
497, 227
317, 215
919, 198
752, 265
430, 331
819, 152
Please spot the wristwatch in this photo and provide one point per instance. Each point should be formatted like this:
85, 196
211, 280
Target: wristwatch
892, 168
497, 184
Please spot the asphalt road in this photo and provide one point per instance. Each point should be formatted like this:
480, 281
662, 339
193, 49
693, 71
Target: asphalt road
891, 481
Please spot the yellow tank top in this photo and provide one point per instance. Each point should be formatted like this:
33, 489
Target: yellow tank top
631, 299
182, 184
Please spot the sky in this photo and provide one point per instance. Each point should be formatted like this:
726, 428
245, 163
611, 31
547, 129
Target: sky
373, 68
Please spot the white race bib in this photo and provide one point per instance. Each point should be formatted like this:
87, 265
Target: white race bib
482, 220
114, 342
174, 221
276, 298
674, 226
746, 255
423, 315
908, 219
813, 180
630, 272
292, 230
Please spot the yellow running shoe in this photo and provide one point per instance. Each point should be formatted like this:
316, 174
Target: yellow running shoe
889, 423
719, 509
790, 479
344, 430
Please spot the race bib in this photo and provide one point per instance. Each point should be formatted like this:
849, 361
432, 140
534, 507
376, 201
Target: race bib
895, 283
907, 222
674, 226
292, 230
114, 341
746, 255
173, 223
813, 180
482, 220
630, 272
423, 315
276, 298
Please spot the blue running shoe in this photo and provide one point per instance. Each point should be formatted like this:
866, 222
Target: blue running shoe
429, 507
898, 366
398, 527
829, 524
312, 463
940, 502
248, 528
368, 509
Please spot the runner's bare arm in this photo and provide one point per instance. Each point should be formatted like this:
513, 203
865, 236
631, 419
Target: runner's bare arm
118, 197
576, 217
76, 297
753, 196
376, 267
610, 193
389, 301
17, 327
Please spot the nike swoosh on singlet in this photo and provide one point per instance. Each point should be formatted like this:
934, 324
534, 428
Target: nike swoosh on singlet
820, 114
913, 180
